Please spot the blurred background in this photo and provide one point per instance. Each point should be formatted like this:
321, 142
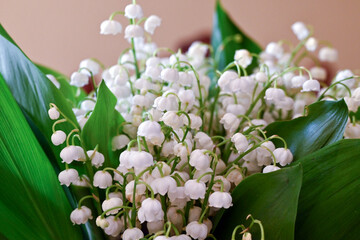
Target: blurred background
60, 34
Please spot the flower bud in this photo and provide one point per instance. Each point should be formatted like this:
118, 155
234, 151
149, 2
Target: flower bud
58, 137
53, 113
243, 57
311, 44
101, 222
300, 30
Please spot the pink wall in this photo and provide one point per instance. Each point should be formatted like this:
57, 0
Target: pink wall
62, 33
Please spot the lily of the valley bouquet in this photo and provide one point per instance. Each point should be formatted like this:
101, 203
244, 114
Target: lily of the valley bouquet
224, 141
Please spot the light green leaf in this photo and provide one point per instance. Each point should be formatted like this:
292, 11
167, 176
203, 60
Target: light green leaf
330, 196
223, 28
324, 124
33, 204
103, 125
271, 198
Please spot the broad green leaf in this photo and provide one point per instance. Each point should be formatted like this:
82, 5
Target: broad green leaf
223, 28
271, 198
330, 196
72, 93
33, 204
33, 91
103, 125
324, 124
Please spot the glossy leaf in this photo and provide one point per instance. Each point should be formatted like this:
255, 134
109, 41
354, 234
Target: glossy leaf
33, 91
330, 196
33, 204
324, 124
103, 125
271, 198
223, 28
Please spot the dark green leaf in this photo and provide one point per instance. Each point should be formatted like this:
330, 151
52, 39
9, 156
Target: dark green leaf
103, 125
330, 196
223, 28
271, 198
33, 91
324, 124
33, 204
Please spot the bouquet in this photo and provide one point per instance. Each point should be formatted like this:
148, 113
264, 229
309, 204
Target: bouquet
224, 141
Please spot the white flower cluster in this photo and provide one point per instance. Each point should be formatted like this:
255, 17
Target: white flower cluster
185, 148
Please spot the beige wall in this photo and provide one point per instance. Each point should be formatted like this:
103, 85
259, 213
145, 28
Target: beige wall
60, 33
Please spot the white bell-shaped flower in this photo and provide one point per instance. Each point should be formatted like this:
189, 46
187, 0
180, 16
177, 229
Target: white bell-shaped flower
298, 81
204, 141
151, 130
283, 156
243, 57
58, 137
79, 79
197, 230
163, 185
195, 189
199, 159
345, 74
152, 23
172, 119
150, 211
133, 11
102, 179
263, 153
80, 215
311, 85
327, 54
120, 141
274, 94
134, 31
68, 176
87, 105
170, 75
230, 122
108, 27
97, 159
90, 65
142, 160
240, 141
220, 200
132, 234
274, 49
139, 192
226, 78
71, 153
53, 113
270, 168
300, 30
115, 226
126, 159
261, 77
112, 203
187, 98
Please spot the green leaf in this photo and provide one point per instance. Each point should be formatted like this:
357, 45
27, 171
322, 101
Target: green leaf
271, 198
223, 28
324, 124
33, 204
33, 91
330, 196
103, 125
72, 93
